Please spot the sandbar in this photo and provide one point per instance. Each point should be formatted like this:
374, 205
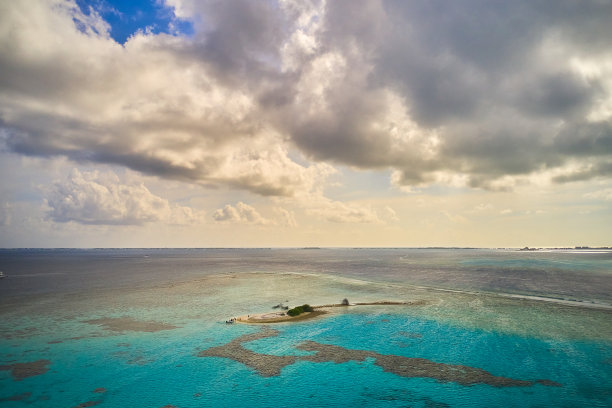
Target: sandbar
282, 317
278, 317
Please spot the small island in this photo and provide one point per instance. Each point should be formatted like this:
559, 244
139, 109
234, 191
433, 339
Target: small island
306, 311
297, 313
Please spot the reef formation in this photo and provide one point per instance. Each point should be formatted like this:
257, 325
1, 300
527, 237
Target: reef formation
268, 365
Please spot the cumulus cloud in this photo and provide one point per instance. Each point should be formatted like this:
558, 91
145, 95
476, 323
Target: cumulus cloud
478, 93
169, 106
502, 104
102, 199
241, 213
340, 212
457, 95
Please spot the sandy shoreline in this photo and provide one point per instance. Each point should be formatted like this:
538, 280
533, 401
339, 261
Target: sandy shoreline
278, 317
281, 317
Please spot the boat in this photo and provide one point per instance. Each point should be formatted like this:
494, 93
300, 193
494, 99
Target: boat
2, 275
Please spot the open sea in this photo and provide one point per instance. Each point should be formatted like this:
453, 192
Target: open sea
146, 328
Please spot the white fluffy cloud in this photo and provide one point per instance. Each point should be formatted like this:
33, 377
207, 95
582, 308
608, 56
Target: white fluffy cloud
340, 212
241, 213
101, 198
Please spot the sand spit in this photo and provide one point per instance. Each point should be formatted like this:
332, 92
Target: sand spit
281, 317
278, 317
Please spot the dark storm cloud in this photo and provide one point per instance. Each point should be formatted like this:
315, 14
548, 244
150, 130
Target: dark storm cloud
239, 40
343, 134
586, 139
494, 76
557, 95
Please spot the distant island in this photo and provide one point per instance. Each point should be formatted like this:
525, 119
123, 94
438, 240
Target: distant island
566, 248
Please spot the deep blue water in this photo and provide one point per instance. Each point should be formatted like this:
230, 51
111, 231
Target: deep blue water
582, 275
49, 299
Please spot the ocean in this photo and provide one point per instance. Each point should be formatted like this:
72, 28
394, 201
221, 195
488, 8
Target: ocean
146, 328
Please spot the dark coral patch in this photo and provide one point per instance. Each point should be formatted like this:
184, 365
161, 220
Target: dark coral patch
19, 371
265, 364
549, 383
87, 404
271, 365
17, 397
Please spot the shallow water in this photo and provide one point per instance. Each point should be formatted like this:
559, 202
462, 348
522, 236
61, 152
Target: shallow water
132, 327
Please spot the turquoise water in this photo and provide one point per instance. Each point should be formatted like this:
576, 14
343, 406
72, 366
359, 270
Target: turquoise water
156, 369
139, 345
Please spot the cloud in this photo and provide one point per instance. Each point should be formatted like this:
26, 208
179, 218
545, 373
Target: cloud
390, 214
454, 218
5, 214
482, 207
604, 194
102, 199
438, 97
242, 213
175, 107
287, 217
486, 94
339, 212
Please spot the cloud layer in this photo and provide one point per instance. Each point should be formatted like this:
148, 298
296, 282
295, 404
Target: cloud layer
486, 94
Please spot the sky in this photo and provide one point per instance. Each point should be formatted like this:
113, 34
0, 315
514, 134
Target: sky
285, 123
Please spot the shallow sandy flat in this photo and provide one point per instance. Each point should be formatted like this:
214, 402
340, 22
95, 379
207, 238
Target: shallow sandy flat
278, 317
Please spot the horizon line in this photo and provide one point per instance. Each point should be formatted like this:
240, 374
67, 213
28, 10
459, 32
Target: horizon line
525, 248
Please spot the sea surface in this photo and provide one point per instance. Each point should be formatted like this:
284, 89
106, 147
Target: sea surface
146, 328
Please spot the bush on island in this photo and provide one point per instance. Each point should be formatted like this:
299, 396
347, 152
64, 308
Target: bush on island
295, 311
299, 310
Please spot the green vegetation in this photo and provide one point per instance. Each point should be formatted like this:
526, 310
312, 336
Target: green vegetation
299, 310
